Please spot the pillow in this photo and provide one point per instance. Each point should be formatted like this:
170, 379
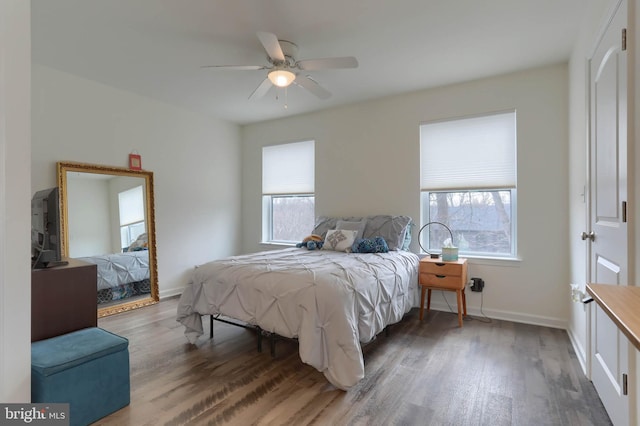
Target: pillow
370, 245
141, 243
407, 236
339, 240
352, 226
392, 228
324, 224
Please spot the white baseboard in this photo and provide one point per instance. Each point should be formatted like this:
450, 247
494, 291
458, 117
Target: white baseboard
579, 350
506, 315
494, 314
172, 292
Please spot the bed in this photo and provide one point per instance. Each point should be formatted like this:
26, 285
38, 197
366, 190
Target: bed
121, 275
331, 301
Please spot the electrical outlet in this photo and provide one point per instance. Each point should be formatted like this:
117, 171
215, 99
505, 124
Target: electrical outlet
576, 294
478, 284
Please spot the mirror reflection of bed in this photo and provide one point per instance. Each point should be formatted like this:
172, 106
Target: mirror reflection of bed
108, 221
122, 276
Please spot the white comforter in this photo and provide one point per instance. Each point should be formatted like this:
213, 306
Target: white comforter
331, 301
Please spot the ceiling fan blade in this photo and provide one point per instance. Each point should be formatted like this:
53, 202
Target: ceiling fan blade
236, 67
271, 45
312, 86
327, 63
261, 90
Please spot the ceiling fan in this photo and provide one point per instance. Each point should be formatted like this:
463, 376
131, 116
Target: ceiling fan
285, 69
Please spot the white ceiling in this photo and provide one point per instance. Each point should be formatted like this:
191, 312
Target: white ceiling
156, 47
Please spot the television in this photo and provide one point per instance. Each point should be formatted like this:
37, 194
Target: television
46, 250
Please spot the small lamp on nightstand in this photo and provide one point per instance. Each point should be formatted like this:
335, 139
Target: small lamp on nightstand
449, 253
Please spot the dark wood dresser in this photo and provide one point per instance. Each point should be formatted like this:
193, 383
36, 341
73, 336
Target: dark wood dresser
63, 299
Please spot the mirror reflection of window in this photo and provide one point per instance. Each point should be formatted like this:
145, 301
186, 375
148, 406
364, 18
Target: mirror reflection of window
131, 208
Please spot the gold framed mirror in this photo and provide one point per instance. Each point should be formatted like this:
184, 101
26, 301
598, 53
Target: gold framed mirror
108, 218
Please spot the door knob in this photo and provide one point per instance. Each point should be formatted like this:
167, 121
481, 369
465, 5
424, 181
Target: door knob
591, 236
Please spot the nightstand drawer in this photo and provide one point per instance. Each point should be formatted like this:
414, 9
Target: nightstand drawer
441, 281
441, 268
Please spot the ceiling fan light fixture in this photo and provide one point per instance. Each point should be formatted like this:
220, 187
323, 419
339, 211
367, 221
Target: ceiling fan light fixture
281, 78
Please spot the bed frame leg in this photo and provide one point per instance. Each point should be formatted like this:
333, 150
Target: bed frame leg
272, 342
211, 327
259, 339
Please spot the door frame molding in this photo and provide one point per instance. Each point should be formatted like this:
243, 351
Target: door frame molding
604, 25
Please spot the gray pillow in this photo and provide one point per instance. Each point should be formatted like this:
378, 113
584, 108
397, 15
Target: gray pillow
358, 225
325, 223
392, 228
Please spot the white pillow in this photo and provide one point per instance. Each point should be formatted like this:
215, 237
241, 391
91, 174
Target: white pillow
352, 226
339, 240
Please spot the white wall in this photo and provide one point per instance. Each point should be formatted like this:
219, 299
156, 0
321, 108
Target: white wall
367, 162
15, 250
578, 145
195, 160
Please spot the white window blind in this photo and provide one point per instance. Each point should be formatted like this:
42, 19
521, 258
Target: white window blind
131, 206
469, 153
288, 168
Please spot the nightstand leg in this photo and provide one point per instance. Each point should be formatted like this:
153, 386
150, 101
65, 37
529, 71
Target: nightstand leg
460, 304
429, 300
464, 302
422, 302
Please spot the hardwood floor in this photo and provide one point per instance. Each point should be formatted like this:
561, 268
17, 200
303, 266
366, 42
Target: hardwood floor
422, 373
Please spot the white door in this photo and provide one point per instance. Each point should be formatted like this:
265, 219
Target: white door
608, 195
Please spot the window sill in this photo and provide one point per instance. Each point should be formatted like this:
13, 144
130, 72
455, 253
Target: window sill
273, 244
489, 261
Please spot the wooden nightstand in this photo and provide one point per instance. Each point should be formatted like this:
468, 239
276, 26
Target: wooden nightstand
436, 274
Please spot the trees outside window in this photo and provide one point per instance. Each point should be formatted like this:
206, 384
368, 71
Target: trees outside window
479, 220
292, 217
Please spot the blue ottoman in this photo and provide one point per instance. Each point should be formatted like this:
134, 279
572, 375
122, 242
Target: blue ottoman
89, 369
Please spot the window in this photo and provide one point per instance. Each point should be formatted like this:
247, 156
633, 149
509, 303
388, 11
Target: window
288, 185
131, 207
468, 182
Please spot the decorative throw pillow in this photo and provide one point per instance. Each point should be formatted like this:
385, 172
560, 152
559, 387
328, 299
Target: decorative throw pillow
326, 223
352, 226
370, 245
339, 240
